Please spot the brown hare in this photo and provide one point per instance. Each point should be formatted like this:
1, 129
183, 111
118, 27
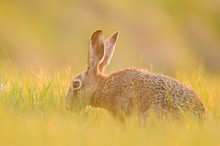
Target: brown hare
131, 90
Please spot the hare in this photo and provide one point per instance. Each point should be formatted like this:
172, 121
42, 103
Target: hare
131, 90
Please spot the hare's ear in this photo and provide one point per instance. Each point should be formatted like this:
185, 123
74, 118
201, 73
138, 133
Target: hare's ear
109, 50
96, 51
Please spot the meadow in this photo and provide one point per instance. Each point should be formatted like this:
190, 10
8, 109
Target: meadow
32, 112
44, 45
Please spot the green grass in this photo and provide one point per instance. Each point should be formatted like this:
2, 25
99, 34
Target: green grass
32, 113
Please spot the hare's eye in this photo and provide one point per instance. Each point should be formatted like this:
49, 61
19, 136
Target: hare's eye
76, 84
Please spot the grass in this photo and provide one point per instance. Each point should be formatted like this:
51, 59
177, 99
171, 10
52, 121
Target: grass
32, 113
32, 100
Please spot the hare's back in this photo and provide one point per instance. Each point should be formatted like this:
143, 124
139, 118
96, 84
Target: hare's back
152, 90
144, 82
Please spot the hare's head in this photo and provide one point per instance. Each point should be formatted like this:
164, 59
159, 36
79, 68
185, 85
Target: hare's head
85, 84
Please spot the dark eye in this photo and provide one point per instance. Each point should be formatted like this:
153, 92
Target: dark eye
76, 84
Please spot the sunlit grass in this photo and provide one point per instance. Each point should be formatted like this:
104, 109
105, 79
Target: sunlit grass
32, 99
32, 112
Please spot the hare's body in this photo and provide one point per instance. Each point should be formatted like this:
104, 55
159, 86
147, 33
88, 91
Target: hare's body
131, 90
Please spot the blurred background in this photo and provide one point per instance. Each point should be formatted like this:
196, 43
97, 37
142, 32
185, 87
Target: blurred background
164, 34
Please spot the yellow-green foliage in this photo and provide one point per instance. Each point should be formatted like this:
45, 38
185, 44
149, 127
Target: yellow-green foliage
32, 113
166, 33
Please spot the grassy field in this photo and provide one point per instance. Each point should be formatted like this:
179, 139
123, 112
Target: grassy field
164, 36
32, 113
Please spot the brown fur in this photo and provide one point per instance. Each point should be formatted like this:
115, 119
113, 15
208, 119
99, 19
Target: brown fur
130, 91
